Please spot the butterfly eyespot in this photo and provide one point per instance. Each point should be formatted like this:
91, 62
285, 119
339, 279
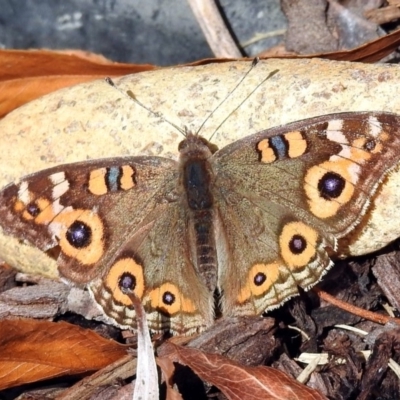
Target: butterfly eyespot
168, 298
39, 210
125, 276
331, 180
331, 185
127, 282
259, 278
297, 244
259, 282
33, 209
370, 145
79, 234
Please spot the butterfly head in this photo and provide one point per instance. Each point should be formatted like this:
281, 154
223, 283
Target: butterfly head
196, 146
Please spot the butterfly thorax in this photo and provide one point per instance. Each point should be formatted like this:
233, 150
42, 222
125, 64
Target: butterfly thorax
196, 181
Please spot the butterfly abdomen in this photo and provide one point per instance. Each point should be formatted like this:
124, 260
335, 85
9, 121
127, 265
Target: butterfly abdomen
197, 178
205, 247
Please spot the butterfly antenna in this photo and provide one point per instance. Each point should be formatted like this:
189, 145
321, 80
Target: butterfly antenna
270, 75
253, 64
130, 95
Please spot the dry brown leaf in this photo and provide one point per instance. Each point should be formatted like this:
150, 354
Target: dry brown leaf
36, 350
167, 368
370, 52
15, 64
26, 74
239, 382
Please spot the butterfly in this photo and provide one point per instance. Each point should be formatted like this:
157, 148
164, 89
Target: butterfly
238, 229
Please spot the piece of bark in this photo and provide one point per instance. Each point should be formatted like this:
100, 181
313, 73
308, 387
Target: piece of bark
89, 386
46, 299
384, 347
247, 340
387, 271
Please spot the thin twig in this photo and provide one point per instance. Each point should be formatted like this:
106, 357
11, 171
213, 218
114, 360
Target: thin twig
261, 36
213, 26
369, 315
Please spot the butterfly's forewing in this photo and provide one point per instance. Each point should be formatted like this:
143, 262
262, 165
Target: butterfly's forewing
286, 195
119, 225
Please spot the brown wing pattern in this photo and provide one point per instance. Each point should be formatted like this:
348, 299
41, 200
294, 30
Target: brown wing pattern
119, 225
286, 195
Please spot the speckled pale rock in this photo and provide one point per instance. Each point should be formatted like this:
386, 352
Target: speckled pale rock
94, 120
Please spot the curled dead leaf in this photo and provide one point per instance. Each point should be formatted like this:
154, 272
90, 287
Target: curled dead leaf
239, 382
32, 350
